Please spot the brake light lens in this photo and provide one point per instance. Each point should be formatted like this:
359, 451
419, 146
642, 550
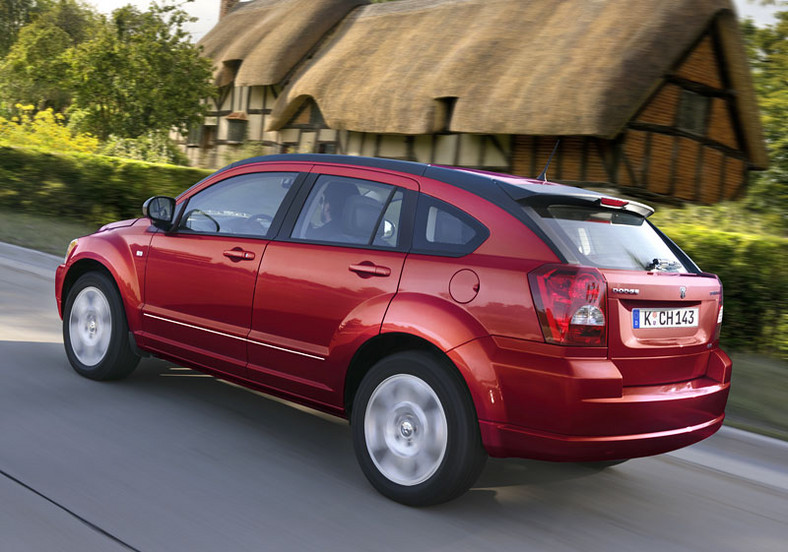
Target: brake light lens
570, 302
718, 329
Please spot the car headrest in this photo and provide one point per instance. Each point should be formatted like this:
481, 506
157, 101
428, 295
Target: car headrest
360, 216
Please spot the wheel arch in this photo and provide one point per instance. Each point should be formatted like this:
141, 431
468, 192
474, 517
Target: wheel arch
89, 264
383, 345
77, 269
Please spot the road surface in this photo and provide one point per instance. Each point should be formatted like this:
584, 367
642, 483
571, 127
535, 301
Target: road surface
172, 460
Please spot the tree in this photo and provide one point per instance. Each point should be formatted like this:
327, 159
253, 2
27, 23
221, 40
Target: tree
140, 73
767, 50
15, 14
35, 68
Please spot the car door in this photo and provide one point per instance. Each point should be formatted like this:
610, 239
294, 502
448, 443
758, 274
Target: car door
200, 278
325, 283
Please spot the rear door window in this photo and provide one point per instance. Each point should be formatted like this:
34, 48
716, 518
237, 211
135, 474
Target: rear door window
608, 238
350, 211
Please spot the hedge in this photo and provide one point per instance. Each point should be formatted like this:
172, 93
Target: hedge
91, 188
755, 284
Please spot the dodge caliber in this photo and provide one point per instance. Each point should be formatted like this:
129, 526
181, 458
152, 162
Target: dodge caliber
448, 314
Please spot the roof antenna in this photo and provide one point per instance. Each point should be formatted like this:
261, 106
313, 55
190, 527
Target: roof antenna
543, 175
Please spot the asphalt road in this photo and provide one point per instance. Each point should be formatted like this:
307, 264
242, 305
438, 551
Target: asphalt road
172, 460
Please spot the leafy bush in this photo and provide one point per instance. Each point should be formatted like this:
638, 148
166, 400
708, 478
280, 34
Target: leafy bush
754, 279
44, 129
153, 147
92, 188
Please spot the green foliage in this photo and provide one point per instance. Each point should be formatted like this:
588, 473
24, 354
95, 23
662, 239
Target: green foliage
43, 130
91, 188
36, 67
154, 147
15, 14
767, 49
727, 217
139, 74
755, 283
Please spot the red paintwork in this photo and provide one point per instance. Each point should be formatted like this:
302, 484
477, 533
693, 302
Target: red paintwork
290, 320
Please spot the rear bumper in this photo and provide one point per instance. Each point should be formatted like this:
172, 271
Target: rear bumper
504, 440
552, 403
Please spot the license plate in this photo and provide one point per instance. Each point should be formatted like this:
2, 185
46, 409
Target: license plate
664, 318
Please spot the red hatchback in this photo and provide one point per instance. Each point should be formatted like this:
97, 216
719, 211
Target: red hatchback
448, 313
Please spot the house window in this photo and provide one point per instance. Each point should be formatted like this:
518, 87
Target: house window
693, 113
195, 136
236, 126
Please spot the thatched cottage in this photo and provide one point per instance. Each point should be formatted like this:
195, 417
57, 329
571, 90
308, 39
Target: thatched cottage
653, 98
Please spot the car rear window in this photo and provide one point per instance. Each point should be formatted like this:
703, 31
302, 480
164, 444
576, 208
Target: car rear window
608, 238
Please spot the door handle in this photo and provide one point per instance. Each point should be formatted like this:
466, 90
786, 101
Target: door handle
366, 269
239, 255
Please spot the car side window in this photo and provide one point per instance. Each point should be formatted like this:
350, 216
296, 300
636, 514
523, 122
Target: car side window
241, 205
346, 210
442, 229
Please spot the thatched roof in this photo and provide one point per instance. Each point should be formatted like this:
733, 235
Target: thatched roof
264, 39
530, 67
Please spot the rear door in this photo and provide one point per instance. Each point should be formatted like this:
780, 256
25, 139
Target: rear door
662, 312
325, 283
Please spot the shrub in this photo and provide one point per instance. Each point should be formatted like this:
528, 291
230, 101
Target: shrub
44, 129
92, 188
755, 283
152, 147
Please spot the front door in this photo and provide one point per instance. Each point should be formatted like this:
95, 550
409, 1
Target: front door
200, 279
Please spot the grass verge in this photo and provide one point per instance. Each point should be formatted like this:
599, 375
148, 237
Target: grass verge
759, 392
47, 234
759, 395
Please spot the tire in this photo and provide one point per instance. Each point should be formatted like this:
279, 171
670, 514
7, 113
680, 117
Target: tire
95, 330
415, 431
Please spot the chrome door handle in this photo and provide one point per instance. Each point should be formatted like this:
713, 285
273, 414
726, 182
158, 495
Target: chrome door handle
367, 268
239, 255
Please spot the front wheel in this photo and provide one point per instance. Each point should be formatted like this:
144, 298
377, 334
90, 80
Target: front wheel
95, 331
415, 430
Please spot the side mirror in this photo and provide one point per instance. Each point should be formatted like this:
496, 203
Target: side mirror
160, 210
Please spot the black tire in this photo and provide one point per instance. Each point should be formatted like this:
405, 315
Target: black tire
99, 348
409, 451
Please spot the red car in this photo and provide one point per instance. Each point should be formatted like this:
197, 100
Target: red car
448, 313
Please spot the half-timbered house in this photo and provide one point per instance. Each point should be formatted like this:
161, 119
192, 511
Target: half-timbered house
653, 98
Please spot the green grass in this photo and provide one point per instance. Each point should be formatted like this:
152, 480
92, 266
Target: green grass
759, 395
47, 234
759, 392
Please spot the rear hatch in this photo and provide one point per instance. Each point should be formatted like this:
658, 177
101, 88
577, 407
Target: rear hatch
662, 313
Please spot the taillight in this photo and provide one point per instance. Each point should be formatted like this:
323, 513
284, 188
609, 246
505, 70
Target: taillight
570, 303
718, 329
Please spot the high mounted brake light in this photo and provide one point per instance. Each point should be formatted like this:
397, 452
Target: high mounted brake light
612, 202
570, 302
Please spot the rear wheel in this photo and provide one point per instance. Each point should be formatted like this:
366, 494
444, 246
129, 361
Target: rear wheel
95, 331
415, 430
